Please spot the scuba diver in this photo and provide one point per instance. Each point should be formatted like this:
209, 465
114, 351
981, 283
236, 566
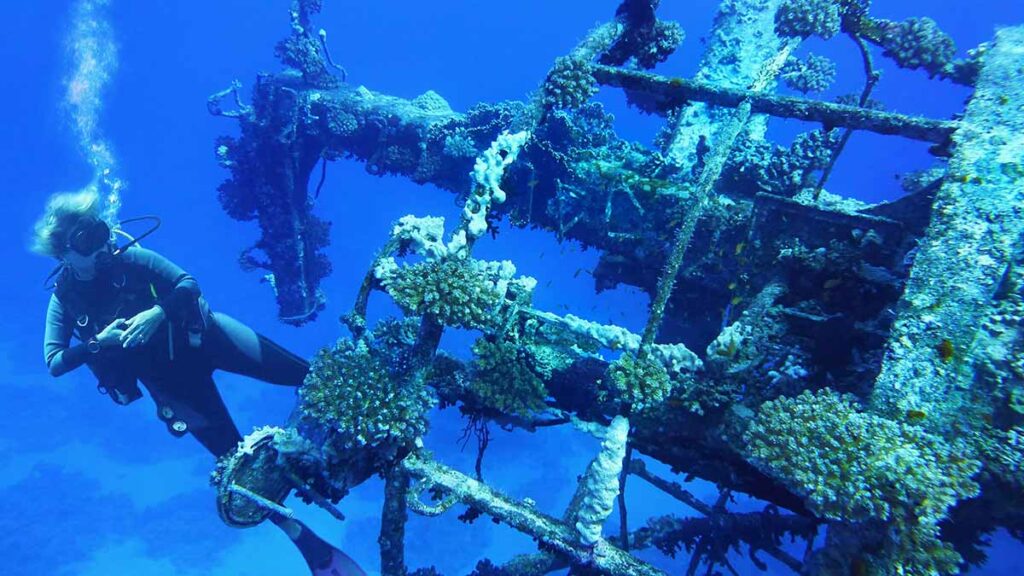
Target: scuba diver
138, 317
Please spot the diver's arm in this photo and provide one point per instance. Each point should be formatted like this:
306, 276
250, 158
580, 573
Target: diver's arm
61, 358
184, 291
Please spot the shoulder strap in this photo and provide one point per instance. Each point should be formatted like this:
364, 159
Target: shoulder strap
75, 303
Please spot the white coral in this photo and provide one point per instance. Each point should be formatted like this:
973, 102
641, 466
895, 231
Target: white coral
487, 173
601, 483
424, 234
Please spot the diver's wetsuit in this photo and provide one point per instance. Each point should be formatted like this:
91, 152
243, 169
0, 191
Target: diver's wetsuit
176, 371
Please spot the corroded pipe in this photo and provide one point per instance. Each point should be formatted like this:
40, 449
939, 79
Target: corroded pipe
659, 94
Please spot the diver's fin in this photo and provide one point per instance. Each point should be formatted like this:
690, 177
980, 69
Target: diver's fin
340, 564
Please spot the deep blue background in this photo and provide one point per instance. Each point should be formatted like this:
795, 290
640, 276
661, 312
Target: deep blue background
90, 488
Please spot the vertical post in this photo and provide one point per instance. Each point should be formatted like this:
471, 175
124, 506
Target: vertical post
741, 38
725, 138
392, 528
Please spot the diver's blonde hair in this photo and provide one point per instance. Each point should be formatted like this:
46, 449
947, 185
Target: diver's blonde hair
63, 212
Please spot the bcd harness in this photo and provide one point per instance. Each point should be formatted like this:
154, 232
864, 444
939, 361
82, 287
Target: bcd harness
120, 292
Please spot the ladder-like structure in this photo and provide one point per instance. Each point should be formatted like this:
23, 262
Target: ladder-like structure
856, 366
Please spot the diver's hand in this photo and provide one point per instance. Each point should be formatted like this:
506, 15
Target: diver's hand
111, 335
141, 327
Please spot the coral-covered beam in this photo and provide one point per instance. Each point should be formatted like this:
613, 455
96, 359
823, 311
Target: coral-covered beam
976, 227
660, 94
759, 530
553, 533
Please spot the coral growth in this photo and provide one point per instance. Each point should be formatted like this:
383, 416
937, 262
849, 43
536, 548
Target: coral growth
488, 172
639, 383
667, 36
569, 84
744, 255
805, 18
601, 483
815, 74
457, 292
759, 165
918, 43
503, 380
354, 390
855, 467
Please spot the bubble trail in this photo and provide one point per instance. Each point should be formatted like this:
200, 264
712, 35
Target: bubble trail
94, 60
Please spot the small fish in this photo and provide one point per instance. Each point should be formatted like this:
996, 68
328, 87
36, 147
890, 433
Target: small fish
577, 273
736, 300
740, 247
945, 350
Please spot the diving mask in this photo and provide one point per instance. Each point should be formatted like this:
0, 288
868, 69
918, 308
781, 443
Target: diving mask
89, 236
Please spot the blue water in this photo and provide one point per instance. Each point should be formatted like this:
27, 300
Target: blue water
90, 488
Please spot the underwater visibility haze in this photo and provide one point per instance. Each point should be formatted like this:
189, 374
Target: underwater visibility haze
622, 287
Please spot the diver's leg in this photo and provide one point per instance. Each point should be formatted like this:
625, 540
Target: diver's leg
322, 558
188, 402
235, 347
217, 431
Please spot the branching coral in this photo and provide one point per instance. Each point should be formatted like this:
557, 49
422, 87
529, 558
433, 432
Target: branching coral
503, 380
667, 36
456, 291
815, 74
448, 285
354, 390
854, 466
918, 43
639, 382
805, 18
760, 165
569, 84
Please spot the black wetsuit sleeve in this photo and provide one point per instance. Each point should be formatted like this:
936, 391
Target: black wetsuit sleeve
60, 356
180, 289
